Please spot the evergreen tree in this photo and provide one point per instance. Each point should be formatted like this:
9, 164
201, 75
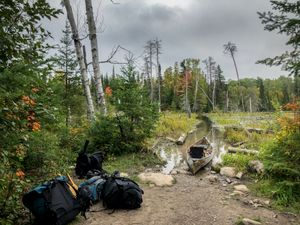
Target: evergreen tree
133, 118
285, 20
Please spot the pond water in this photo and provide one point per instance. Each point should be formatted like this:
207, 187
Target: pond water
175, 155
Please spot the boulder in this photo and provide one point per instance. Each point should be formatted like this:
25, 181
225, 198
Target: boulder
228, 171
158, 179
239, 175
256, 166
242, 188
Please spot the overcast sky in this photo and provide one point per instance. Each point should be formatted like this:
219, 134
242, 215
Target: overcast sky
187, 29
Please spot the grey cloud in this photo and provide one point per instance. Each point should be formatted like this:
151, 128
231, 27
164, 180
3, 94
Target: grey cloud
198, 30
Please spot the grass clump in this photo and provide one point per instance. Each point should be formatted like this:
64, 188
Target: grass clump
238, 160
131, 163
173, 124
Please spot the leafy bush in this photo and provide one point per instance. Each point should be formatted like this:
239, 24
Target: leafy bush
282, 160
132, 118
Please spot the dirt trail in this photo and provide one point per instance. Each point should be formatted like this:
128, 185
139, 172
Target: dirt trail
192, 200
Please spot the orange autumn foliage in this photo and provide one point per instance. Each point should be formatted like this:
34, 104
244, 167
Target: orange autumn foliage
108, 91
34, 90
36, 126
28, 101
20, 174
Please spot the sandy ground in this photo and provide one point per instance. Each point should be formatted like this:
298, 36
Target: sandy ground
191, 200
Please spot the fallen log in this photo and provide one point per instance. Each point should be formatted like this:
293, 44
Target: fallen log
238, 143
242, 150
171, 139
181, 139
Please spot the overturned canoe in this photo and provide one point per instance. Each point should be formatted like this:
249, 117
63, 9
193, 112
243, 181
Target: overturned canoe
199, 155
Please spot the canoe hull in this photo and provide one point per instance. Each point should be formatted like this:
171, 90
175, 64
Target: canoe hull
196, 162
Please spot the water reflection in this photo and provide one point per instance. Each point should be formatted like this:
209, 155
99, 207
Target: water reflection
175, 155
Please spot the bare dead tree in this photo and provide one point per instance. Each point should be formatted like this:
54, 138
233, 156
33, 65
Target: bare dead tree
80, 58
231, 49
95, 55
157, 46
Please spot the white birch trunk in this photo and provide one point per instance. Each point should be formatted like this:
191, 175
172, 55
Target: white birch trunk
196, 93
214, 92
84, 76
95, 54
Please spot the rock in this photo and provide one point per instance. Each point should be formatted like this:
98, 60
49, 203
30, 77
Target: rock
247, 221
267, 202
122, 174
242, 188
239, 175
151, 185
228, 171
212, 178
174, 172
228, 180
213, 172
181, 139
237, 193
158, 179
256, 166
224, 185
148, 170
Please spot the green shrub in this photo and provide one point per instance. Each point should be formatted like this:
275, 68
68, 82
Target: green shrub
132, 120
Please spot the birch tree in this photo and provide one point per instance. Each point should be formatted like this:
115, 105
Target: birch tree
95, 54
80, 58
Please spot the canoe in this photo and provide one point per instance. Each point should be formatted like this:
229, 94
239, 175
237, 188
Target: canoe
199, 155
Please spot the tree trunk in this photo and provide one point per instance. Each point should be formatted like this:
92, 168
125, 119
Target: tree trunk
187, 104
195, 94
84, 77
214, 91
227, 101
157, 46
151, 75
238, 77
95, 54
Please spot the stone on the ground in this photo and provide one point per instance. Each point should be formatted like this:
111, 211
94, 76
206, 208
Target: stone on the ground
256, 166
228, 171
247, 221
174, 172
213, 172
122, 174
158, 179
239, 175
181, 139
212, 178
242, 188
237, 193
228, 180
